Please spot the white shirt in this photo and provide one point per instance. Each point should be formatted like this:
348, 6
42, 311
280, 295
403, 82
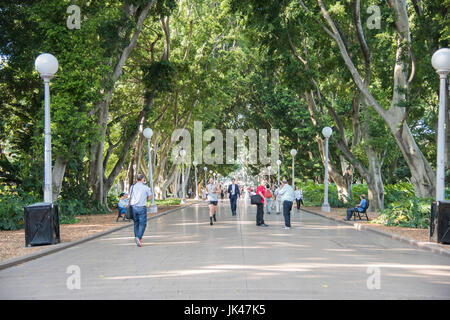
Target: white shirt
212, 194
139, 194
298, 194
287, 193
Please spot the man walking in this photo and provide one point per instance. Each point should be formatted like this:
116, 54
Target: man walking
138, 202
234, 194
287, 199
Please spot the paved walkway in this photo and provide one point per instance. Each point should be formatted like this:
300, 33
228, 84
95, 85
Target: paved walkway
183, 257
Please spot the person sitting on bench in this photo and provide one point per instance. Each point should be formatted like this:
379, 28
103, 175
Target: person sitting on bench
361, 207
123, 203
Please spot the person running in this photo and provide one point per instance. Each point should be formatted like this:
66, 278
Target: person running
212, 190
261, 190
298, 197
140, 193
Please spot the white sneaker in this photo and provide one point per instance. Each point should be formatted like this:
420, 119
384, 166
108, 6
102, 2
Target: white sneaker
286, 228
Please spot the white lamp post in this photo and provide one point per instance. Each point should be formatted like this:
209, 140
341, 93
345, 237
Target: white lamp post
293, 153
441, 62
47, 65
205, 169
196, 184
327, 132
278, 164
269, 168
183, 154
148, 133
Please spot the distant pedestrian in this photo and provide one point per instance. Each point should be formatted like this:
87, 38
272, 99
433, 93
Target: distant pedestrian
287, 199
140, 193
234, 193
261, 191
277, 199
268, 199
298, 197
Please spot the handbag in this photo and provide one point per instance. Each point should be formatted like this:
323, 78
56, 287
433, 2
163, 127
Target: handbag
129, 209
255, 199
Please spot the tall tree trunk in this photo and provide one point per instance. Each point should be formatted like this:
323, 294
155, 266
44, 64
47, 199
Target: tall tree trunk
57, 176
422, 175
96, 172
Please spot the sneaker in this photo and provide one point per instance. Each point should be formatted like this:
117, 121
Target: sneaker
286, 228
138, 242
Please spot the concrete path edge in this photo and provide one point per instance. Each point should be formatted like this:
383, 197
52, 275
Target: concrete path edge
433, 247
61, 246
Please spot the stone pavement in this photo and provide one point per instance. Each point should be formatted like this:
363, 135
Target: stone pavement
183, 257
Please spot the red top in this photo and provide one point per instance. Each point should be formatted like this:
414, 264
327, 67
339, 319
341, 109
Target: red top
261, 189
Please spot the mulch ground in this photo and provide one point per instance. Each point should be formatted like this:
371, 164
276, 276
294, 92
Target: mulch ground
12, 243
421, 235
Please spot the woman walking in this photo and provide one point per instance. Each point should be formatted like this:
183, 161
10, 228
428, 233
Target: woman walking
298, 197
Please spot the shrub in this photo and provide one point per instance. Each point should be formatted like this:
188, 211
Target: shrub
12, 203
398, 192
313, 195
11, 208
413, 212
168, 202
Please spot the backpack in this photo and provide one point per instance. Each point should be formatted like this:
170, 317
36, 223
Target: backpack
268, 194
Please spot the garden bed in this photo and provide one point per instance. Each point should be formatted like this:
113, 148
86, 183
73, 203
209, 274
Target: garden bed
417, 234
12, 243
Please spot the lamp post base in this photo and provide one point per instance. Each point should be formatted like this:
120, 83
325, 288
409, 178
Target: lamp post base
325, 207
153, 208
196, 198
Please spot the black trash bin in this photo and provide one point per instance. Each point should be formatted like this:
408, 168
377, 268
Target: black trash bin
41, 224
440, 222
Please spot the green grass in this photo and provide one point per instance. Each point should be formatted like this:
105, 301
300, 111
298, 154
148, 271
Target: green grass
168, 202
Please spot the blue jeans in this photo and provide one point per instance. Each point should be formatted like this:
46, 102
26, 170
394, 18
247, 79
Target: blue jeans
287, 206
140, 220
351, 211
269, 205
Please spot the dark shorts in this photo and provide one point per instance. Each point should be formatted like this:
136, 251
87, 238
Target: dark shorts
214, 203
